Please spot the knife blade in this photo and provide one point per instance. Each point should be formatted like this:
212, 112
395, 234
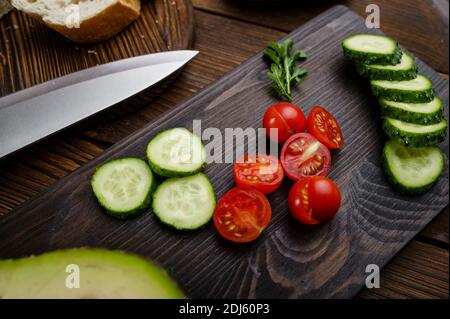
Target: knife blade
34, 113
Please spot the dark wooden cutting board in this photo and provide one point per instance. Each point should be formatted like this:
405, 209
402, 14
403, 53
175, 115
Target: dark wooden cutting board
289, 260
31, 53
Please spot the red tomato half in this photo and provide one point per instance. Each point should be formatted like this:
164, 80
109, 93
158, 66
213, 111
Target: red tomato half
303, 155
261, 172
287, 118
242, 214
313, 200
325, 128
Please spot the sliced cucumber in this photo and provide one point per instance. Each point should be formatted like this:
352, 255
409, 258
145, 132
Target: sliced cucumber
418, 113
372, 49
176, 152
185, 203
415, 135
418, 90
123, 187
412, 170
405, 70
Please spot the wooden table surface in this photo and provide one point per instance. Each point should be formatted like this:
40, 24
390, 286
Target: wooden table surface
227, 33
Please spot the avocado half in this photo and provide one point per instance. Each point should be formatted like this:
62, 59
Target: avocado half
103, 274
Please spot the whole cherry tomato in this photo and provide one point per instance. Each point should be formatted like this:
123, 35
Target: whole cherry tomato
286, 118
313, 200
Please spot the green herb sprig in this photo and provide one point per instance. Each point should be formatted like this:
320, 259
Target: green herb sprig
283, 70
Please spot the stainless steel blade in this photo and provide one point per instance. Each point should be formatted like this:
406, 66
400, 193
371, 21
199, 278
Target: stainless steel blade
34, 113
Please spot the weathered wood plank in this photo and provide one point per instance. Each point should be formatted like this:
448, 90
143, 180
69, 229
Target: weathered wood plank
282, 258
419, 271
421, 25
32, 171
437, 231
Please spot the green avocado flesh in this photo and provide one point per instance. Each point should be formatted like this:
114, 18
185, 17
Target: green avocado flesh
103, 274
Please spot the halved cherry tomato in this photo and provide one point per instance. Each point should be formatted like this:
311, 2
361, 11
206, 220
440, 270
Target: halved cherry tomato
287, 118
325, 128
261, 172
303, 155
313, 200
242, 214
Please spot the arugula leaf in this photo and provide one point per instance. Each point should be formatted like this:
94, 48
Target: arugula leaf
283, 70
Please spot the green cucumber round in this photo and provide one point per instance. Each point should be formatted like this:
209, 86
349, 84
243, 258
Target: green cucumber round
372, 49
185, 203
415, 135
176, 152
123, 187
412, 170
418, 90
405, 70
418, 113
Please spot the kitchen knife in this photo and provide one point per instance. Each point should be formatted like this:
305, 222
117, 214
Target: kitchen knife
32, 114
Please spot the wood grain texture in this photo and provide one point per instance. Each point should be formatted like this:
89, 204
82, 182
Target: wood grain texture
31, 54
419, 271
290, 260
437, 231
421, 25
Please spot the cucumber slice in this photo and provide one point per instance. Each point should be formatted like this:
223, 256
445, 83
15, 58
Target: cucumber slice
415, 135
405, 70
418, 90
418, 113
175, 153
185, 202
412, 170
123, 187
372, 49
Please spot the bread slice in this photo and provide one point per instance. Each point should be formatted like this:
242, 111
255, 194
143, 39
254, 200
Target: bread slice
5, 7
99, 19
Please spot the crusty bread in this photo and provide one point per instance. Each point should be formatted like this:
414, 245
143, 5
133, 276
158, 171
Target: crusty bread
99, 19
5, 7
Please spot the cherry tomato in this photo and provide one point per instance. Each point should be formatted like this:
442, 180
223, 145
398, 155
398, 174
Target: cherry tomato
325, 128
299, 203
261, 172
303, 155
313, 200
242, 214
287, 118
